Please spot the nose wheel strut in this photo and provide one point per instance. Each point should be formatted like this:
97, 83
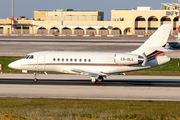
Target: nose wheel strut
35, 79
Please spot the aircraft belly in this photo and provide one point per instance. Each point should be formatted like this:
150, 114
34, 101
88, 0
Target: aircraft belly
125, 69
98, 69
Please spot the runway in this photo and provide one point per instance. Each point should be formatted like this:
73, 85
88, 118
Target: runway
79, 87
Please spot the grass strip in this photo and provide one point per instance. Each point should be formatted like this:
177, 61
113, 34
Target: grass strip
76, 109
4, 61
169, 69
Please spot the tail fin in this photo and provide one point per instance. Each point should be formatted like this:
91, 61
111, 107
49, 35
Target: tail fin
156, 42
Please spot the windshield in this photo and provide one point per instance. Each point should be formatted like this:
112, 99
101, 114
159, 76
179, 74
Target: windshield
28, 57
25, 57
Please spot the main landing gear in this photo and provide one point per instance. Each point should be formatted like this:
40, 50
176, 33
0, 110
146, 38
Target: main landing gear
99, 79
35, 79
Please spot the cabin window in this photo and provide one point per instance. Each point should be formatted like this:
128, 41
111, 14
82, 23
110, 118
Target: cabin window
75, 60
58, 59
85, 60
62, 59
80, 60
89, 60
71, 59
54, 59
66, 59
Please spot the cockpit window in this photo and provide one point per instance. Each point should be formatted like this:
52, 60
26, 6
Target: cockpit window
29, 57
25, 57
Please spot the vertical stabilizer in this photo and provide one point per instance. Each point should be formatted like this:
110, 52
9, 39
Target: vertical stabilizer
156, 41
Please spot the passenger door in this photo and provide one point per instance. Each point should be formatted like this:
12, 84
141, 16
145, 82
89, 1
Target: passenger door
41, 63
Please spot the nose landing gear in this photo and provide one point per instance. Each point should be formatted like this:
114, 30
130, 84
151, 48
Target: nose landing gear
35, 79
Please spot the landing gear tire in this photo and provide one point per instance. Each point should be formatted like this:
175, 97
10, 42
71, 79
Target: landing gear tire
35, 79
100, 78
93, 80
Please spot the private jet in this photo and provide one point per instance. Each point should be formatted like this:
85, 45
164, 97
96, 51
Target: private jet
99, 65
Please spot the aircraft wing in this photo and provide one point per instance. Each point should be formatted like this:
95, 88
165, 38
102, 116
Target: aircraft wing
89, 72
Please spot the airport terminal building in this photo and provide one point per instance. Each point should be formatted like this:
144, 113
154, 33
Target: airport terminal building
138, 21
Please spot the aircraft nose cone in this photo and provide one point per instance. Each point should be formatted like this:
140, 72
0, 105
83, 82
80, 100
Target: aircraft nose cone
10, 65
15, 65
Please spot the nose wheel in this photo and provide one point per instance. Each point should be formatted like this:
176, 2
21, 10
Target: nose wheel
35, 79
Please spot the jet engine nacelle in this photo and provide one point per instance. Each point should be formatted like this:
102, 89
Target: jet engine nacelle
128, 59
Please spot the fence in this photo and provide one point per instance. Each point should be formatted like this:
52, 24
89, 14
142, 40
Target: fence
115, 32
175, 32
76, 32
150, 32
140, 32
67, 32
103, 32
79, 32
1, 31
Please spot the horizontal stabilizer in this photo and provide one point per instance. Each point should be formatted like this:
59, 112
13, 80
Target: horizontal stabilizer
159, 48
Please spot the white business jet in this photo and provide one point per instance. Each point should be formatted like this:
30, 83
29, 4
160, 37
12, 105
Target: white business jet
99, 65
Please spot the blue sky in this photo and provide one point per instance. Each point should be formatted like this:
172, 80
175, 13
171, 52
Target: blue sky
27, 7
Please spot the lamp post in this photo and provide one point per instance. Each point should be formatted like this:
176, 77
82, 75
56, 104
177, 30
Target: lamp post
12, 16
179, 21
12, 8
